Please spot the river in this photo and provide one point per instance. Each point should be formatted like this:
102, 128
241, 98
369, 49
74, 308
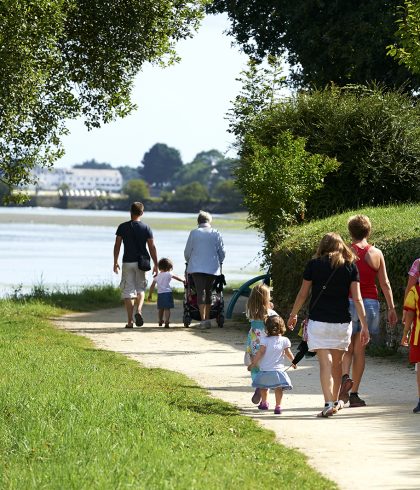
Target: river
68, 249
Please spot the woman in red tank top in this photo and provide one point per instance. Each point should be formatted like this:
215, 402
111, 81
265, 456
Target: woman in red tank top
371, 266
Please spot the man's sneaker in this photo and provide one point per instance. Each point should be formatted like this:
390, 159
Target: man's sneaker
356, 401
256, 397
417, 409
139, 319
346, 386
277, 410
263, 406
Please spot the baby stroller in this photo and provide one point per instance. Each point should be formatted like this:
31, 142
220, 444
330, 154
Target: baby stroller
191, 311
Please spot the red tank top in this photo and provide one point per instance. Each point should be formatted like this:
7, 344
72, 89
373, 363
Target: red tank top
367, 273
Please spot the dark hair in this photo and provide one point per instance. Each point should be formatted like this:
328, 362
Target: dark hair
274, 326
165, 265
359, 226
137, 208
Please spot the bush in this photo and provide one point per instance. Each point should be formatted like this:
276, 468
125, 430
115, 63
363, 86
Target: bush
276, 181
136, 190
373, 133
396, 231
188, 198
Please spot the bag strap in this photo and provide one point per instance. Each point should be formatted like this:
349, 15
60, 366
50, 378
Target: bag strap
324, 287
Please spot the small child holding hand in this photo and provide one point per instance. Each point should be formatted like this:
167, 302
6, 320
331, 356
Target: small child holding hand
165, 300
270, 358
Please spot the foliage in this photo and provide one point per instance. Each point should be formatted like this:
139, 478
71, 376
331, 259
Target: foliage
61, 59
276, 180
227, 192
160, 164
94, 165
136, 190
197, 171
374, 133
78, 417
129, 173
396, 231
407, 48
325, 42
85, 299
190, 197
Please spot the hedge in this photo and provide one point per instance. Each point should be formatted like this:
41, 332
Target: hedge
395, 230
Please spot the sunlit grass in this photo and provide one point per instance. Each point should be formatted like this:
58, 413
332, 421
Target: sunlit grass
74, 417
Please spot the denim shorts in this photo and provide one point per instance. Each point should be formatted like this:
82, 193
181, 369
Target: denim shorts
372, 316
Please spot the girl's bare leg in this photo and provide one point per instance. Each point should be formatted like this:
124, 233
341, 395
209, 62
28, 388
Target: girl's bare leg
279, 395
264, 393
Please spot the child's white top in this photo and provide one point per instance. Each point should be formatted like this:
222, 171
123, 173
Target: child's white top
163, 280
273, 359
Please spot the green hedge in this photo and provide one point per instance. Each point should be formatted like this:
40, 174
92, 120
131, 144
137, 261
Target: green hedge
395, 230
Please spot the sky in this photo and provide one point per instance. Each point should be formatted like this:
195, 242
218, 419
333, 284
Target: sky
183, 106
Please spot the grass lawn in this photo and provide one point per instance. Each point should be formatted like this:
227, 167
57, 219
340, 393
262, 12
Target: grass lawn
75, 417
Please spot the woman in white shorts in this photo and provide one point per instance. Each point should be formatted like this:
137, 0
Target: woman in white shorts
330, 275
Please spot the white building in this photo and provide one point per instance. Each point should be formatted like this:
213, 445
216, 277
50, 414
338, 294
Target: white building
78, 179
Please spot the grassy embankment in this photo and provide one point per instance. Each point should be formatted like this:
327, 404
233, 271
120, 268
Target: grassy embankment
73, 416
396, 231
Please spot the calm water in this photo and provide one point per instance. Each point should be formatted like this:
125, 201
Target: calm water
70, 256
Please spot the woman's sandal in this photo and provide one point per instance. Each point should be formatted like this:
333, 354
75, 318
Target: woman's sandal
326, 412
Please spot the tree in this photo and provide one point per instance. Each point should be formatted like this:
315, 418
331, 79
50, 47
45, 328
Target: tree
136, 190
337, 42
93, 164
129, 173
190, 197
407, 48
372, 131
276, 181
229, 195
160, 164
61, 59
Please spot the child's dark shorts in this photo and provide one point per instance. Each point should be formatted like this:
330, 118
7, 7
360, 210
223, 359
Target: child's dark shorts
165, 301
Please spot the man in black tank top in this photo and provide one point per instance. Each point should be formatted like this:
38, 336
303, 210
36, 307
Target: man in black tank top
135, 236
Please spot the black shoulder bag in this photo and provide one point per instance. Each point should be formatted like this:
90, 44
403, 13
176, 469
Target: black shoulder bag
143, 261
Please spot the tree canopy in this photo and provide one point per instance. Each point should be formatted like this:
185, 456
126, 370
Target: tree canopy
325, 42
160, 164
61, 59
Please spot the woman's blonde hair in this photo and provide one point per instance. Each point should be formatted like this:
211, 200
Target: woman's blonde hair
258, 302
274, 326
333, 246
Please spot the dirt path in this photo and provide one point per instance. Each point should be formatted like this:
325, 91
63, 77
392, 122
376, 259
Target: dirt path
360, 448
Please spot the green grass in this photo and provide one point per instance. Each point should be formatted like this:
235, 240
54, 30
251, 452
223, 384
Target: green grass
396, 231
75, 417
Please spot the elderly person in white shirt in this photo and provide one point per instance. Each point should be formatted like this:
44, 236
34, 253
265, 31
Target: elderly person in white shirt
204, 254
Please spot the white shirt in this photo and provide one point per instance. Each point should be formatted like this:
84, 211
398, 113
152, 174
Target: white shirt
273, 359
163, 280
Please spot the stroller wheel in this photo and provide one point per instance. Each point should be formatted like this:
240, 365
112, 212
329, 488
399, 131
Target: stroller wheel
187, 320
220, 321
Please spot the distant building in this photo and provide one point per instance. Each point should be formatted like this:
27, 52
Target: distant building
78, 179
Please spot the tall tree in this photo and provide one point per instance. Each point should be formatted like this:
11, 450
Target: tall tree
61, 59
160, 164
407, 48
340, 42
